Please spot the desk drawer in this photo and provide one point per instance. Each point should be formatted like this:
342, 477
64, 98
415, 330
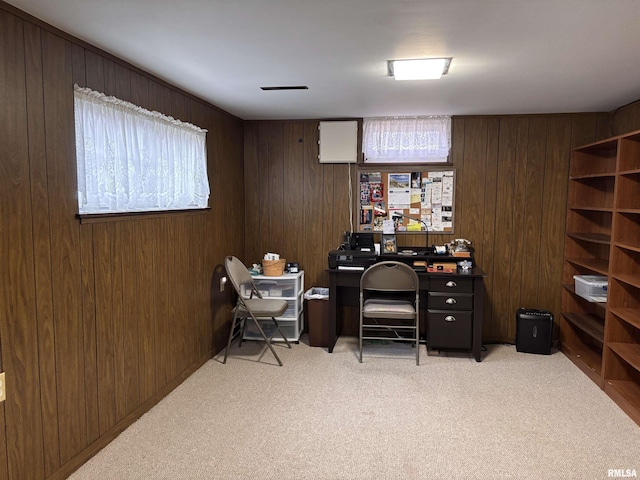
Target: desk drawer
453, 301
453, 285
449, 329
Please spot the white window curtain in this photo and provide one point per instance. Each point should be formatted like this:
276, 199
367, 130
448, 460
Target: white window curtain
130, 159
425, 139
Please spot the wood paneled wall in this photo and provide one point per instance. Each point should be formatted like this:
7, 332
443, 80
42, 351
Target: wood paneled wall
98, 321
511, 202
511, 180
623, 120
295, 206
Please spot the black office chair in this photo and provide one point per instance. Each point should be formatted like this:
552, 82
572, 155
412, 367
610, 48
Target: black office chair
251, 305
390, 304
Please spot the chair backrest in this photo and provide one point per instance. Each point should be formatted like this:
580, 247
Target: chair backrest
390, 276
238, 273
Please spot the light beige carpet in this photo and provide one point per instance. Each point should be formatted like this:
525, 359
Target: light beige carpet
326, 416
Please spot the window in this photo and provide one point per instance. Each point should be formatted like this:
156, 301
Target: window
131, 160
406, 139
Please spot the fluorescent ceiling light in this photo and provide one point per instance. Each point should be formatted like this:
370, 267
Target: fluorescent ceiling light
419, 69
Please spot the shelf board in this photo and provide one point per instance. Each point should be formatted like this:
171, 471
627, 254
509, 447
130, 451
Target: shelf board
627, 246
627, 395
595, 264
593, 209
589, 324
628, 278
593, 175
628, 211
629, 352
602, 148
586, 360
602, 238
629, 315
634, 171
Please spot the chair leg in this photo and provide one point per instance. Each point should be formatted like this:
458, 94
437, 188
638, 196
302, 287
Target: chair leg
233, 327
286, 340
242, 329
266, 339
418, 339
360, 335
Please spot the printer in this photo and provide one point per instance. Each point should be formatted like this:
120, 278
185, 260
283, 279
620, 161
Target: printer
351, 259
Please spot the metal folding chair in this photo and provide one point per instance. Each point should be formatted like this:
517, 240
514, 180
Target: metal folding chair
390, 304
250, 304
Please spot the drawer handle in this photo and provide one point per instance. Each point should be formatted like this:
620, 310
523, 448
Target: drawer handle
449, 318
451, 284
450, 301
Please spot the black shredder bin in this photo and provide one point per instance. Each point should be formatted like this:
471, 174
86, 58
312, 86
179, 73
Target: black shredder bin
317, 308
534, 331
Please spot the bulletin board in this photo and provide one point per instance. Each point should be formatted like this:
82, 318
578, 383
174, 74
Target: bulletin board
426, 197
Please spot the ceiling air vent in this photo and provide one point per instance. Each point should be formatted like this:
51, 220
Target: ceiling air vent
286, 87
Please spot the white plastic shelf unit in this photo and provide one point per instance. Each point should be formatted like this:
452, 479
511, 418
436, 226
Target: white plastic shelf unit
289, 287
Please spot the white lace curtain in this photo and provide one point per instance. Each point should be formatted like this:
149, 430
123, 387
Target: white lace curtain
130, 159
407, 139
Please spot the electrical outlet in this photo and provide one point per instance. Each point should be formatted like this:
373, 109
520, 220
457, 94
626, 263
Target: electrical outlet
3, 390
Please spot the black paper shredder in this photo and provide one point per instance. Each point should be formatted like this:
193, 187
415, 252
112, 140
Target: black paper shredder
534, 331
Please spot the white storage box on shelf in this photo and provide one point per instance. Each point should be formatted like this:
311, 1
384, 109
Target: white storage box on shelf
592, 287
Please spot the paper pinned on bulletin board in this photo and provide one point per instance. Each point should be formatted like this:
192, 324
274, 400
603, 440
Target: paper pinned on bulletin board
399, 190
427, 197
442, 201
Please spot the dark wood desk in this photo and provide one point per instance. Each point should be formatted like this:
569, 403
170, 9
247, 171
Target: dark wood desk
454, 320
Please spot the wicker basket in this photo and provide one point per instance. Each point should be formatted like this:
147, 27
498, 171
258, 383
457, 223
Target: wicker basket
273, 268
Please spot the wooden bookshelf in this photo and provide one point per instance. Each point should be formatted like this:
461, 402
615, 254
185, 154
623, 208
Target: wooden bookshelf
603, 238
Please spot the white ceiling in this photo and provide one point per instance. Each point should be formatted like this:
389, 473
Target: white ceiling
509, 56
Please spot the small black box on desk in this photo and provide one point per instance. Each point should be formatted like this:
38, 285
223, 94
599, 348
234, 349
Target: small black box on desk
534, 331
